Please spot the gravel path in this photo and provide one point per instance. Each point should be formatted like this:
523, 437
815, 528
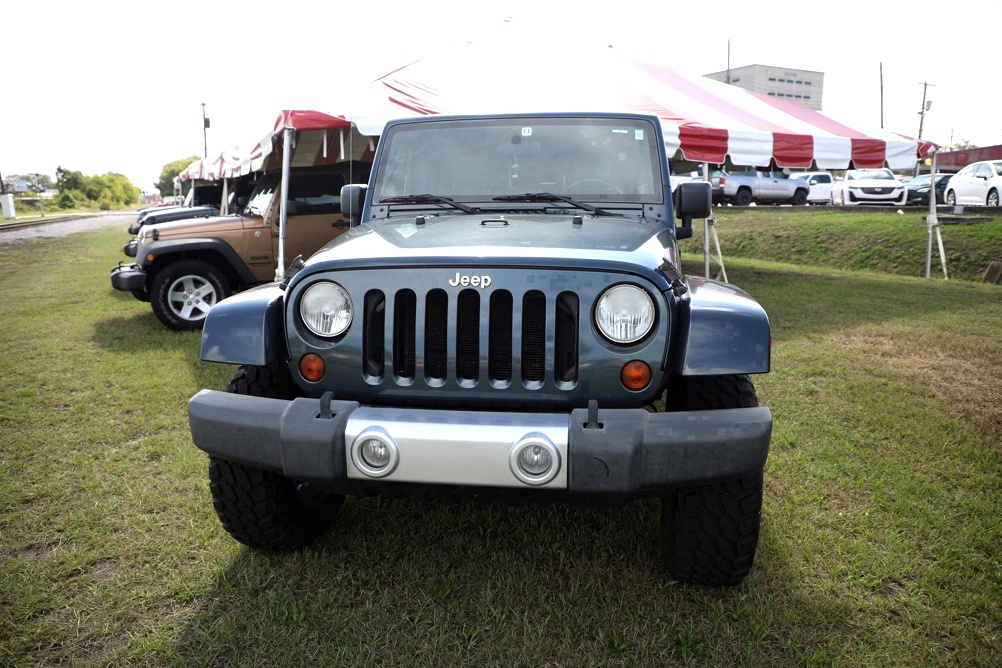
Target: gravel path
63, 227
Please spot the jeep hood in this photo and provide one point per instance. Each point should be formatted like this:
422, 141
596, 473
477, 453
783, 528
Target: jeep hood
195, 227
178, 213
509, 238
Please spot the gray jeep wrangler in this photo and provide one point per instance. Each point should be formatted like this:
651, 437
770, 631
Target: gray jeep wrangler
505, 317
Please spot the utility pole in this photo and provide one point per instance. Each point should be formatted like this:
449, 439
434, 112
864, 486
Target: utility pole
925, 106
728, 80
205, 126
881, 95
922, 112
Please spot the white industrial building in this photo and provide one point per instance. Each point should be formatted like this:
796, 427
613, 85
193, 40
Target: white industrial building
804, 87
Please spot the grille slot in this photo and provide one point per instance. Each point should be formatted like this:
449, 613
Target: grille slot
468, 335
372, 337
499, 350
565, 363
533, 335
436, 329
404, 345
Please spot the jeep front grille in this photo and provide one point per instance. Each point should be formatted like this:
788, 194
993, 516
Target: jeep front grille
507, 331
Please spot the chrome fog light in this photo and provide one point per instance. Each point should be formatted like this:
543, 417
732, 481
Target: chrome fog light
375, 453
534, 459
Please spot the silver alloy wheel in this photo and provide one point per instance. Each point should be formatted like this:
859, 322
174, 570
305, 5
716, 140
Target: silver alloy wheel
191, 296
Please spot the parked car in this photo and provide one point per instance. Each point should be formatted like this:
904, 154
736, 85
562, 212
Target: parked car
977, 184
820, 183
869, 186
697, 175
742, 188
183, 268
918, 189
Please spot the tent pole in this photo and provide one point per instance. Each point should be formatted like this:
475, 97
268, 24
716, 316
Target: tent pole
706, 226
283, 206
223, 205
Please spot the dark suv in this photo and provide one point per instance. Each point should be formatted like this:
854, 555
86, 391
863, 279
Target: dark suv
506, 317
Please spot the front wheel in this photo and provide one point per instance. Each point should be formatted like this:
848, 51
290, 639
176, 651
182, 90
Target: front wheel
993, 198
951, 198
800, 198
261, 508
710, 532
183, 292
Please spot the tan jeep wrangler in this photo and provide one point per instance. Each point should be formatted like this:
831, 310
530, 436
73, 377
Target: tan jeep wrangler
184, 268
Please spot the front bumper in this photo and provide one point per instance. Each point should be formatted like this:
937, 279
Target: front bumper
128, 277
893, 198
599, 452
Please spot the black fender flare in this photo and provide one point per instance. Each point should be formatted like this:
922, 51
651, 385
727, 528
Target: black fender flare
162, 251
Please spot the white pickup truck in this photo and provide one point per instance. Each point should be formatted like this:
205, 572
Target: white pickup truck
766, 187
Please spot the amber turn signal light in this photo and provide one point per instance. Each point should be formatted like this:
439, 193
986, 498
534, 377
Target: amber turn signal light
312, 367
636, 375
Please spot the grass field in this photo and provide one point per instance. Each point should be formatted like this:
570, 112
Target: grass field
857, 238
880, 540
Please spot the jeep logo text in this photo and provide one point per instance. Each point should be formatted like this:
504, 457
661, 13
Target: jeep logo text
475, 281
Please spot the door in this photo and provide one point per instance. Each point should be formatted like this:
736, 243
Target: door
314, 213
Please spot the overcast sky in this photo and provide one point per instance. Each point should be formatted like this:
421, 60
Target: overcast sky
112, 86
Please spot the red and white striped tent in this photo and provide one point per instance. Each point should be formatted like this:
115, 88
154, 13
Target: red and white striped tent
319, 139
703, 120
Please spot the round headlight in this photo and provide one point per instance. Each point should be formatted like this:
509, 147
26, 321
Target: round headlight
326, 309
624, 314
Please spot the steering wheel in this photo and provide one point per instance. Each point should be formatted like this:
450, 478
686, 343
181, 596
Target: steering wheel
607, 187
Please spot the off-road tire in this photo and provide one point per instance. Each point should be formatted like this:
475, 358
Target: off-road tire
261, 508
203, 286
710, 532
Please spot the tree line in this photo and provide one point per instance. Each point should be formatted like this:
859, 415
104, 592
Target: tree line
106, 192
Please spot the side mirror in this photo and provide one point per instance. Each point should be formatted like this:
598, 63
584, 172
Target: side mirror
692, 200
352, 197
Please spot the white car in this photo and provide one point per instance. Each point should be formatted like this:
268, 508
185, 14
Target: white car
978, 184
869, 186
820, 183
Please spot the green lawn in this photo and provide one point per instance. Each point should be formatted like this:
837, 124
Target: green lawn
857, 238
880, 541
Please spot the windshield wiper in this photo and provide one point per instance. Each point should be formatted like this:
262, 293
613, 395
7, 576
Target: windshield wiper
428, 199
550, 197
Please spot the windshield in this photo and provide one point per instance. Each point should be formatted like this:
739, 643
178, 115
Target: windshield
859, 175
466, 160
261, 197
